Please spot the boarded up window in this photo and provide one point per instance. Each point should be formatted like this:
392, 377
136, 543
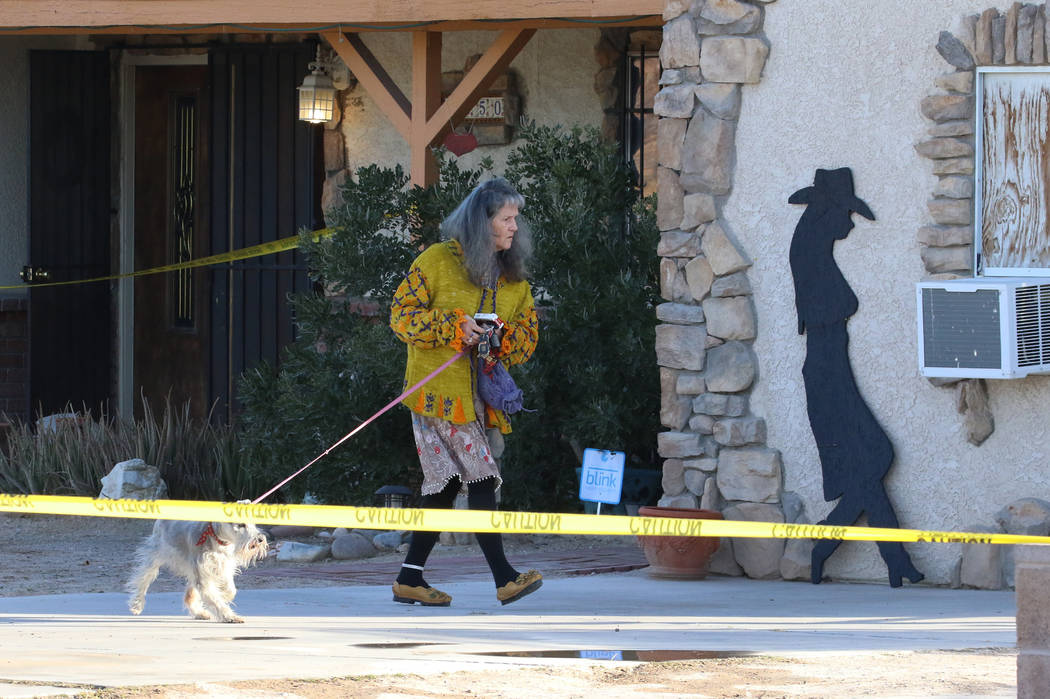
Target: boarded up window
1014, 201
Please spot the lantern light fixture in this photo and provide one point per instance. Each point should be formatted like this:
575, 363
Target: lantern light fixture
317, 93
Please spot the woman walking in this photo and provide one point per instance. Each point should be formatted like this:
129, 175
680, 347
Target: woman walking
479, 268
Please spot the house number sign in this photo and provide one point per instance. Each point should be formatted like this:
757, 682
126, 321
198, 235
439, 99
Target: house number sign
487, 109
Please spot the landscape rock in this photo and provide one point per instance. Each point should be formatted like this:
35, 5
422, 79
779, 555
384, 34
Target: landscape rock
388, 541
723, 562
981, 564
760, 558
796, 563
296, 552
134, 480
353, 546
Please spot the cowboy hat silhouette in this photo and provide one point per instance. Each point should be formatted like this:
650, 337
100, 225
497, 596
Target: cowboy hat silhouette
835, 188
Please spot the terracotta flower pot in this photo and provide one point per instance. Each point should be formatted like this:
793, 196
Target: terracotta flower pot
678, 556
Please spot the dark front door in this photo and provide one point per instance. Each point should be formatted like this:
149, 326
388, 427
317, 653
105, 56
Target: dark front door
70, 332
263, 187
171, 164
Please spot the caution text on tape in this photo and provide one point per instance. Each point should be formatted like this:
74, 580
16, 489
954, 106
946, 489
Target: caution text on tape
479, 520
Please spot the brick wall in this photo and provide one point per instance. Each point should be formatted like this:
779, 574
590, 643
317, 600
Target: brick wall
14, 358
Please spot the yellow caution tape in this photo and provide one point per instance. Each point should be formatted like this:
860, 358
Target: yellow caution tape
275, 246
478, 520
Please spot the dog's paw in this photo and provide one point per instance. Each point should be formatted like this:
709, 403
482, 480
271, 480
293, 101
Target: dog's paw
136, 606
202, 615
233, 619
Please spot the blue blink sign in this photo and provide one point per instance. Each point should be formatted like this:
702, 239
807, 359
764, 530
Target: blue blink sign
601, 478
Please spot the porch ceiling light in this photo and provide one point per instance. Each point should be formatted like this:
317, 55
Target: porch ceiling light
317, 93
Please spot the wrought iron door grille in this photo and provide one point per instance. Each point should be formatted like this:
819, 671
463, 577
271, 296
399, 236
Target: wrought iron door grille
639, 133
182, 191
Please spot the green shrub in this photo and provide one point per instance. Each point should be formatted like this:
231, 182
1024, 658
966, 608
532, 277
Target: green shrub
592, 381
346, 364
594, 376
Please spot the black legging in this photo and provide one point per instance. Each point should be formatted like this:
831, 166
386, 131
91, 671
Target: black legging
481, 495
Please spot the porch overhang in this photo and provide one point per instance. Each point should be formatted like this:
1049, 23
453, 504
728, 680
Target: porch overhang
269, 16
422, 118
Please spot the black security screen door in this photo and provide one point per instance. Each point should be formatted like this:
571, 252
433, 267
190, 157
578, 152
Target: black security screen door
263, 187
69, 229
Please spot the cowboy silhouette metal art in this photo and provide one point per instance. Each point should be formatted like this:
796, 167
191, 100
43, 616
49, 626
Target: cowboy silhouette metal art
855, 453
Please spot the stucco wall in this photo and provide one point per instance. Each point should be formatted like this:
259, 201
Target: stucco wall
555, 73
14, 145
842, 88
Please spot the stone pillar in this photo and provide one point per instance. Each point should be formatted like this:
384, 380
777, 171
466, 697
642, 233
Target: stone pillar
715, 453
1032, 580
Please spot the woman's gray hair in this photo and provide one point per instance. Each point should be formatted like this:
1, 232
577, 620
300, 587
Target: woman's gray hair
471, 225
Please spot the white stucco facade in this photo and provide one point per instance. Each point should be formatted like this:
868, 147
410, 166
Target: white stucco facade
842, 88
555, 76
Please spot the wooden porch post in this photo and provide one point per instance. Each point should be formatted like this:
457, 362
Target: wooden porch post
426, 98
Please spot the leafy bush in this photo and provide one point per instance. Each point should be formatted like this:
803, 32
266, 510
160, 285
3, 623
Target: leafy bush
346, 364
592, 381
594, 375
198, 460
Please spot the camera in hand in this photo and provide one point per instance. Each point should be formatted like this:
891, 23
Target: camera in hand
490, 340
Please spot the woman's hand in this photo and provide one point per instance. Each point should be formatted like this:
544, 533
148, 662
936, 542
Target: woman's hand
472, 332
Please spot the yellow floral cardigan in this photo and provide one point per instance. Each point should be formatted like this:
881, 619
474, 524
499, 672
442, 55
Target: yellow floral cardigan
426, 314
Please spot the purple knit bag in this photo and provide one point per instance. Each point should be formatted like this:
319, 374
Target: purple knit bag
497, 388
495, 385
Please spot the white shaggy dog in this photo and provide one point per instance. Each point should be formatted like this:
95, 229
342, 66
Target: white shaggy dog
206, 555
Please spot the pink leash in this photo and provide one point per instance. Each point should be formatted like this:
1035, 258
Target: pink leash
360, 427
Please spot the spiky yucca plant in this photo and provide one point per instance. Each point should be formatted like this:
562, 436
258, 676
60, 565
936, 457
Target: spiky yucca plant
197, 459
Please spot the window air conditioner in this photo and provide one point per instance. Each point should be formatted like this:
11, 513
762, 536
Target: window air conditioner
994, 328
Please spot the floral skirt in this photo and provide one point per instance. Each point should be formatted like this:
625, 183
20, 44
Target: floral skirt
446, 450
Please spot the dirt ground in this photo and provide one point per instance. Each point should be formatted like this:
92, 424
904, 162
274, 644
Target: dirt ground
53, 555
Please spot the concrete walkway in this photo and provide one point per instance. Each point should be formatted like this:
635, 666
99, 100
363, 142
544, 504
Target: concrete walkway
91, 639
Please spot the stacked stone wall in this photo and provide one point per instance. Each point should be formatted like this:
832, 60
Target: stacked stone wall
715, 452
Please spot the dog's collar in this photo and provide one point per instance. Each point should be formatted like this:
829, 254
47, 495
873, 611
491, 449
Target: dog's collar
210, 531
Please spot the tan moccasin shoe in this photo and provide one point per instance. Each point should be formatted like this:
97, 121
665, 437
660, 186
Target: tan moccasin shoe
427, 596
526, 583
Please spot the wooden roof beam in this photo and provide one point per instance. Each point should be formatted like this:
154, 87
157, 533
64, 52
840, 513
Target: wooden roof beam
210, 30
493, 63
85, 14
374, 78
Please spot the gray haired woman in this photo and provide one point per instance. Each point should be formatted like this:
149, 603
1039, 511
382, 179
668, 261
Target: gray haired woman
479, 269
